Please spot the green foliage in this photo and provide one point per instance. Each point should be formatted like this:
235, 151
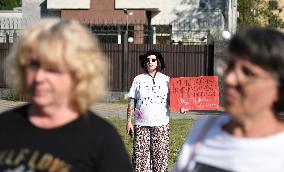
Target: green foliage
12, 96
259, 13
178, 132
273, 19
248, 10
9, 4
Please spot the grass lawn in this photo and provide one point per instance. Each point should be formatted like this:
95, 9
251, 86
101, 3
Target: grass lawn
178, 132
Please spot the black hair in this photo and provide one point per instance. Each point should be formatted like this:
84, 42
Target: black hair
262, 46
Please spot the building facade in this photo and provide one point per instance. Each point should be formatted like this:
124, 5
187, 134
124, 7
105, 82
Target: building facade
148, 21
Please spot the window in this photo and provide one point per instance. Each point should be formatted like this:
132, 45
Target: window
163, 34
111, 33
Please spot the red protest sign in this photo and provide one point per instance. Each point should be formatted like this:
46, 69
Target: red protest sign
194, 93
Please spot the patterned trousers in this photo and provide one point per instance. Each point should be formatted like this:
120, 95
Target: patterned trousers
151, 148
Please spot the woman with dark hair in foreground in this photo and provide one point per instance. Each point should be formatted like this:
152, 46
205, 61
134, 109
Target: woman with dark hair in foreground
250, 137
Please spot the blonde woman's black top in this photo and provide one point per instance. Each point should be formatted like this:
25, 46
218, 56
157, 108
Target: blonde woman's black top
86, 144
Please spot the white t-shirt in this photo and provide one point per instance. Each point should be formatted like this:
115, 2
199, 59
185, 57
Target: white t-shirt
152, 107
224, 151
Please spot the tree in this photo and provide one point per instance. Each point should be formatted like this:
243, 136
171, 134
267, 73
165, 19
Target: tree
9, 4
259, 13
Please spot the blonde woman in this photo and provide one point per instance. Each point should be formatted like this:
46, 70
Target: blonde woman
59, 65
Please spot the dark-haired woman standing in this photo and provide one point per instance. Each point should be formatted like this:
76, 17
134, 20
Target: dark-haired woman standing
150, 92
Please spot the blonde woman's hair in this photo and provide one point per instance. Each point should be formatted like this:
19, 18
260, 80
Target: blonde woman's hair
52, 40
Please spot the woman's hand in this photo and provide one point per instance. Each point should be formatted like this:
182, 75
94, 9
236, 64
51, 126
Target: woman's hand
129, 128
183, 110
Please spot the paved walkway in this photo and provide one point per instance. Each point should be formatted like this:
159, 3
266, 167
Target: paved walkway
6, 105
115, 110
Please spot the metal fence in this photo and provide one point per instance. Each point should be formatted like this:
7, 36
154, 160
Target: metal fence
10, 28
185, 50
116, 32
4, 50
143, 34
181, 61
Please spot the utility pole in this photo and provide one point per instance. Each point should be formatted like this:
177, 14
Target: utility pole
209, 58
125, 52
232, 16
149, 23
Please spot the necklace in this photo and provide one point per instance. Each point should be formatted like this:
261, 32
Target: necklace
153, 77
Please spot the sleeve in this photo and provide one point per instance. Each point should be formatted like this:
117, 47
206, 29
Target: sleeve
113, 156
131, 93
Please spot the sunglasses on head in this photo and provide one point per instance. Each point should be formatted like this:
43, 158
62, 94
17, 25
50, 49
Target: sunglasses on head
148, 60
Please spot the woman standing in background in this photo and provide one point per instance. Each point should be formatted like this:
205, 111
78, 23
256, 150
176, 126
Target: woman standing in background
148, 101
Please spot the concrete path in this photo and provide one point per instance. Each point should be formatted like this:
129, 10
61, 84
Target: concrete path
6, 105
116, 110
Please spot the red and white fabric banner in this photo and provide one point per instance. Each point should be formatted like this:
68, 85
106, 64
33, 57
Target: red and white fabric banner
194, 93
